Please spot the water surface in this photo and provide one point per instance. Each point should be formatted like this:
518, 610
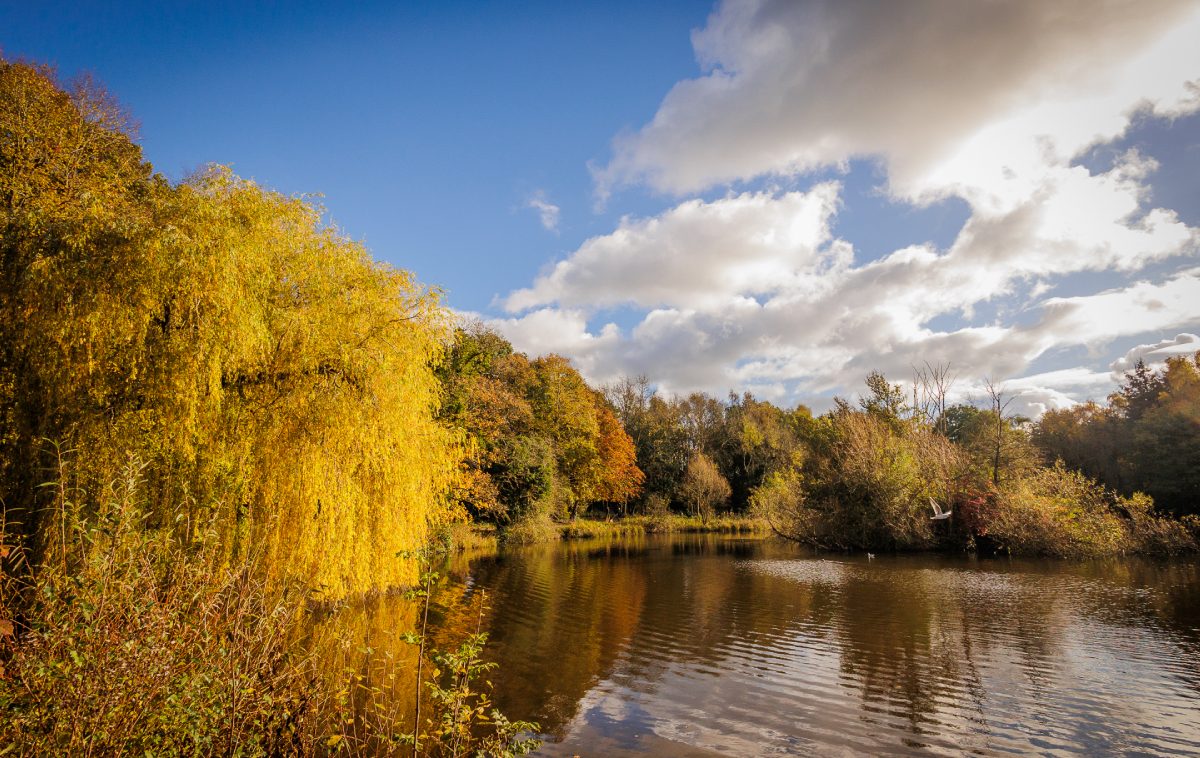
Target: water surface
706, 645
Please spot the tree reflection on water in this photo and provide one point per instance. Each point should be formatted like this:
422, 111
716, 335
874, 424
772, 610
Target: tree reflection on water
700, 644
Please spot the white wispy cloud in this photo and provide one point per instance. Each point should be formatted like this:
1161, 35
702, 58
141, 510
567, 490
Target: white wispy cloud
548, 212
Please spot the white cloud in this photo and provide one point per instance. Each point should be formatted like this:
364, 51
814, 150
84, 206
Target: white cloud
1136, 309
551, 330
1156, 352
548, 212
795, 86
1032, 403
698, 253
1035, 394
985, 102
757, 307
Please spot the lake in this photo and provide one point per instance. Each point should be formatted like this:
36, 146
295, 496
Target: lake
711, 645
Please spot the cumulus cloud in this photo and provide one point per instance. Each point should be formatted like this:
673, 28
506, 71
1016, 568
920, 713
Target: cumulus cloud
794, 86
1033, 395
547, 211
987, 102
1185, 344
698, 253
760, 305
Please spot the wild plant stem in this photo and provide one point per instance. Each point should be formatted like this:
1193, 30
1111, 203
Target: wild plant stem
464, 673
420, 660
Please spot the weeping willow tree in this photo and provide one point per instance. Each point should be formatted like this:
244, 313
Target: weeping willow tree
274, 380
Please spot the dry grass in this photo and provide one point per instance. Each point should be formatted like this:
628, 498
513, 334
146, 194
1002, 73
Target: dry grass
662, 524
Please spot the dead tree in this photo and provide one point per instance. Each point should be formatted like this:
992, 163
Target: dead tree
931, 387
999, 406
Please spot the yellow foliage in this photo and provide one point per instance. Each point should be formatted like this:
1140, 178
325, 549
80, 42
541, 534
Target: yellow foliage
1058, 512
276, 379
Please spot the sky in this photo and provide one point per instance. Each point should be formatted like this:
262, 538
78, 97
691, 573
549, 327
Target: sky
774, 197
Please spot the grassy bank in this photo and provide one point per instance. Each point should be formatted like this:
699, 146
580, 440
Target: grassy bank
586, 528
465, 537
672, 524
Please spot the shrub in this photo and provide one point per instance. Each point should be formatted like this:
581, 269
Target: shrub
536, 527
703, 489
865, 483
1152, 534
133, 642
1058, 512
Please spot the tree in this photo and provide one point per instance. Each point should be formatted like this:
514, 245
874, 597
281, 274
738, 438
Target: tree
275, 379
1087, 437
973, 430
620, 478
1140, 392
1164, 450
702, 422
542, 441
931, 388
564, 413
761, 439
887, 400
1146, 439
704, 489
999, 406
507, 470
663, 449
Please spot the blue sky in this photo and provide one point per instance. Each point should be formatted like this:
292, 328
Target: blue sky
427, 127
752, 195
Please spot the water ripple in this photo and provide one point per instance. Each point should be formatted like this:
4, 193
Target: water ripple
701, 646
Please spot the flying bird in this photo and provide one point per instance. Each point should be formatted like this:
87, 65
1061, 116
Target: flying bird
938, 513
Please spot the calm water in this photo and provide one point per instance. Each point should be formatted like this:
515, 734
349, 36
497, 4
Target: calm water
708, 645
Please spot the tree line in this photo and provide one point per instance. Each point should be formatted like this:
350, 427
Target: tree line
865, 475
322, 413
1145, 438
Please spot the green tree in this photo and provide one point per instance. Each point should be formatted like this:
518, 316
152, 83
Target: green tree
1140, 391
1164, 451
1087, 437
886, 400
975, 431
762, 439
564, 412
1147, 439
